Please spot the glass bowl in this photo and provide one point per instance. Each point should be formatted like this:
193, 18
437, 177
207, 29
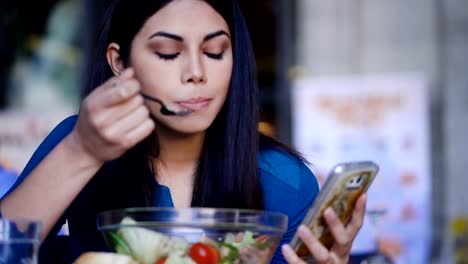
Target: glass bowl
193, 235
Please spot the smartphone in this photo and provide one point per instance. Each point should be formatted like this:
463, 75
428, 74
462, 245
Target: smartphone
343, 187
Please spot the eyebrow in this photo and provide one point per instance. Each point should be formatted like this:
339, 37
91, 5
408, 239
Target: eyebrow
167, 35
216, 34
181, 39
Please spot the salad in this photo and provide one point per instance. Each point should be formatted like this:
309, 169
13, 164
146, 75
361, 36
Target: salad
150, 247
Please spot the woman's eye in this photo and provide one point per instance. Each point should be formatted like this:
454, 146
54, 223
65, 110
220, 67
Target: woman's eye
216, 56
166, 56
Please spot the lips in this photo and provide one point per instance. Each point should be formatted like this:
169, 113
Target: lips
195, 103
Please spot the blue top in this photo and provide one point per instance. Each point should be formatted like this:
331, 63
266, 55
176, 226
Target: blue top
288, 187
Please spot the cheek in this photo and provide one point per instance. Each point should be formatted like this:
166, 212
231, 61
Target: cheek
221, 76
153, 75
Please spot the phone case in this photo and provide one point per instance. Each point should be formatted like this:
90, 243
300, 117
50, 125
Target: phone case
346, 182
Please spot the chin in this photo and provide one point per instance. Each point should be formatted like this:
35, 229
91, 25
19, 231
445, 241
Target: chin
188, 125
187, 130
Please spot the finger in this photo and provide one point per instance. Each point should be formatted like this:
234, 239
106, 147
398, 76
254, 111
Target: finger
123, 91
358, 216
117, 112
290, 255
318, 251
139, 133
114, 81
125, 75
119, 89
105, 118
342, 238
119, 129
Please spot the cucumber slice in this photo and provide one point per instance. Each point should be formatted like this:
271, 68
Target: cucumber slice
229, 253
119, 244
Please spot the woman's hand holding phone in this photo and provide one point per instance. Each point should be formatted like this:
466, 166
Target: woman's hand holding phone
327, 231
112, 119
343, 237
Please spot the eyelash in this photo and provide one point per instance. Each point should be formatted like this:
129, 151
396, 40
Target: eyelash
164, 56
216, 56
172, 56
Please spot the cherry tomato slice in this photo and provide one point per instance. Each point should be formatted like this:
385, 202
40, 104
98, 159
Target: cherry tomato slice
204, 254
216, 252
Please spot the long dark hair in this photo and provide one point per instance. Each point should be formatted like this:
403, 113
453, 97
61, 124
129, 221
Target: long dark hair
227, 173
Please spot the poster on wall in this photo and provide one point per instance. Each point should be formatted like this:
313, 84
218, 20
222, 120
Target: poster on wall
20, 134
379, 118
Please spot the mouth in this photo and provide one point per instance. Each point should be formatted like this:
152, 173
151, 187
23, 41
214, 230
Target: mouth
195, 103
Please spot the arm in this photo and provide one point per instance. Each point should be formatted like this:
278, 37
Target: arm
112, 120
51, 186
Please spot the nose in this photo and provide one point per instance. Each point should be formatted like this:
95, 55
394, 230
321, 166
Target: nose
194, 71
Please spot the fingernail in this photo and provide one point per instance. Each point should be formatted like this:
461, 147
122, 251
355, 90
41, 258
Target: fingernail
303, 230
287, 250
328, 212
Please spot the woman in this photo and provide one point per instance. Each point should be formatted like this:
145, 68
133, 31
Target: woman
126, 150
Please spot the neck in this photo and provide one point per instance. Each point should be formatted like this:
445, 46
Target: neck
178, 152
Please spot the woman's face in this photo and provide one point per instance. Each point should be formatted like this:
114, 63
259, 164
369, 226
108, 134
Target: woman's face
182, 55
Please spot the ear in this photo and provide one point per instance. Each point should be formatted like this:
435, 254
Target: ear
114, 59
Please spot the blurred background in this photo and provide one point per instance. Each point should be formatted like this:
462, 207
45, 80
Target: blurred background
340, 80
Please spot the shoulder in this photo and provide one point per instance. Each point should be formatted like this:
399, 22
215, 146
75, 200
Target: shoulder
288, 186
285, 179
283, 167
